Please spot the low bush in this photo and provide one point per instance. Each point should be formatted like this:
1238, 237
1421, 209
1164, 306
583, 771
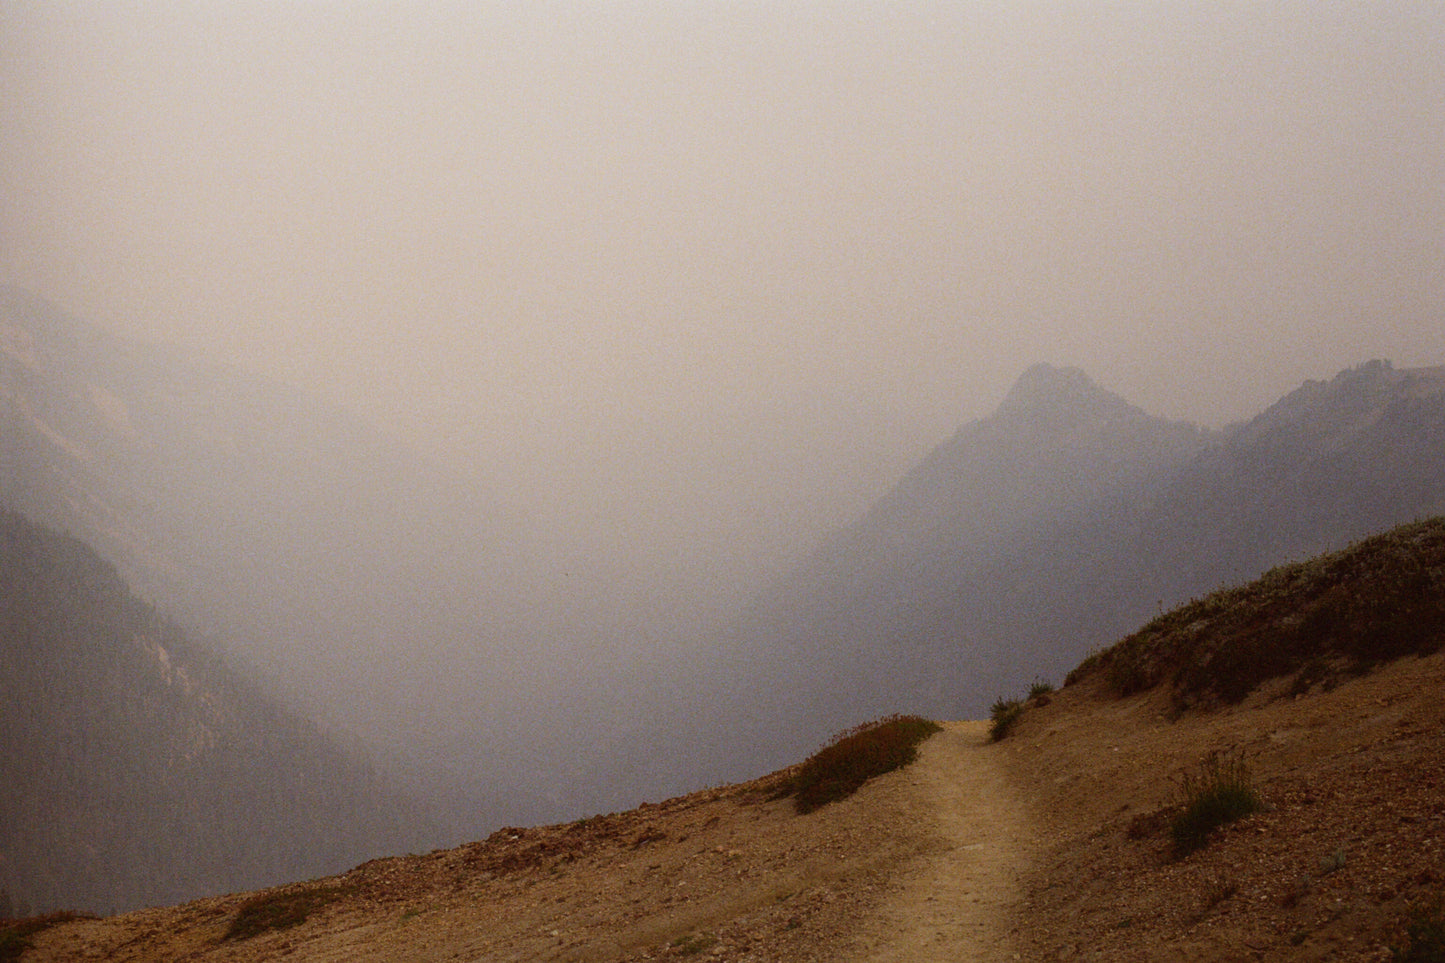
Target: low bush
279, 910
852, 758
1004, 713
1338, 614
1218, 794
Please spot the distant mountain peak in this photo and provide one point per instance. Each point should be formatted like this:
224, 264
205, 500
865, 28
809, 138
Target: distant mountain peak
1048, 390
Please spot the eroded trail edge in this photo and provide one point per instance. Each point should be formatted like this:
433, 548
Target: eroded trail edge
954, 901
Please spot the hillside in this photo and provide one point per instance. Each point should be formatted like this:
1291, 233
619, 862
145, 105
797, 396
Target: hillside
380, 591
1050, 845
1325, 677
139, 769
1052, 527
730, 873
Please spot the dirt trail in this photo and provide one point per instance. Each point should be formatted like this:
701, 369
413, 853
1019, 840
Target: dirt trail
920, 865
953, 902
1050, 845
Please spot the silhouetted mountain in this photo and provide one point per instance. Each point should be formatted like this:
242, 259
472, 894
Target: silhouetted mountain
138, 769
1057, 443
1049, 529
1329, 463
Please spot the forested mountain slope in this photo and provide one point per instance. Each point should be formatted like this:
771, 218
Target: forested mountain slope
138, 769
386, 595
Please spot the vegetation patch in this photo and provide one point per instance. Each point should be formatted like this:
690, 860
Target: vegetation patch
1040, 687
282, 909
1218, 794
691, 944
1424, 937
1003, 714
1379, 600
853, 757
15, 934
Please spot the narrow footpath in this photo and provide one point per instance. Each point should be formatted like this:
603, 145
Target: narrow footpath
922, 865
952, 904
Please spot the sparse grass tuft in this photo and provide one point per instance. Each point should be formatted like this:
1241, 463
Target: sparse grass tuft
692, 944
1004, 713
279, 910
1218, 794
852, 758
1040, 688
1339, 614
15, 934
1332, 863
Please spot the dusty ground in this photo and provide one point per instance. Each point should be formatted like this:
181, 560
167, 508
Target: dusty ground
954, 902
919, 861
1352, 836
1050, 845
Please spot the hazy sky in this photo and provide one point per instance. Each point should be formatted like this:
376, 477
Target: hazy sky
713, 274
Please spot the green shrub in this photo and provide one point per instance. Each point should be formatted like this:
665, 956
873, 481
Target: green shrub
1004, 713
852, 758
1127, 670
1219, 793
1040, 687
1425, 938
281, 910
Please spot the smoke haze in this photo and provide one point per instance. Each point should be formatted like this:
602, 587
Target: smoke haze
689, 285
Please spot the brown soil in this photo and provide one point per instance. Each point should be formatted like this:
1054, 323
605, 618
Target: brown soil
1050, 845
1350, 842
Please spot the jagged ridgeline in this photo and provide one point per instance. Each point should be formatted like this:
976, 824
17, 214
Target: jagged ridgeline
1314, 622
138, 769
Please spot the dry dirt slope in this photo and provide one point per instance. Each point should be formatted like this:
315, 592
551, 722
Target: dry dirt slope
921, 862
1351, 840
1049, 845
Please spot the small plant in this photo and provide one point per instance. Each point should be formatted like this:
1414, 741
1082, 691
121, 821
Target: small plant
1004, 713
1218, 794
692, 943
281, 910
853, 757
1128, 670
1332, 863
1425, 937
1039, 688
